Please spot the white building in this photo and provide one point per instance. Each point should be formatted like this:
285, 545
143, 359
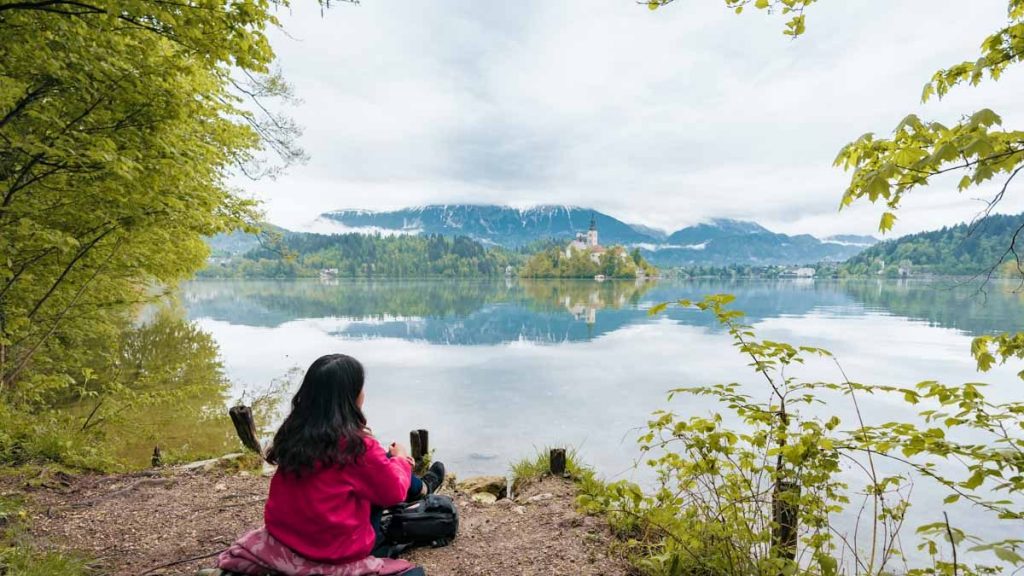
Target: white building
587, 242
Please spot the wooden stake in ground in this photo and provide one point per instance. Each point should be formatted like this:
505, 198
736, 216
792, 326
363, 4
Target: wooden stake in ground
419, 443
557, 462
245, 426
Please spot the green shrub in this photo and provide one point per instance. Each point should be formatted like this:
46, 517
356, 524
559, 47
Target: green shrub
731, 485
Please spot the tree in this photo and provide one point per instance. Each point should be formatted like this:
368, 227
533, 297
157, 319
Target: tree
120, 121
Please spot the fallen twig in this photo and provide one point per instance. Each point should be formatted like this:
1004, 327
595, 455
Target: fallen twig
125, 490
186, 560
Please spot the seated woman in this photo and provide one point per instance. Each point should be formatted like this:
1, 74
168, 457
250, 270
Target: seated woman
333, 478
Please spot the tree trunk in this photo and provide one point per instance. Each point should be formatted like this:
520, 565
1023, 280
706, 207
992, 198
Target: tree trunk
785, 517
245, 426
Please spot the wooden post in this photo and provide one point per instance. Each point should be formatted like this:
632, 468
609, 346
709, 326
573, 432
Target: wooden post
556, 462
424, 443
419, 443
157, 459
785, 518
414, 445
245, 426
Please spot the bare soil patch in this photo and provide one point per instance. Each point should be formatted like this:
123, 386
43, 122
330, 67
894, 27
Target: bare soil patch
131, 524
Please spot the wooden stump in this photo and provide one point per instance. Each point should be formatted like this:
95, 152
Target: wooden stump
785, 518
157, 459
556, 462
245, 426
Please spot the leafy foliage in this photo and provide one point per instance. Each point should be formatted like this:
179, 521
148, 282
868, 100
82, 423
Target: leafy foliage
119, 123
361, 255
615, 262
793, 9
725, 480
161, 384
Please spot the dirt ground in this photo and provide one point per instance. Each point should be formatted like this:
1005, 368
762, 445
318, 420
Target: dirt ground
136, 524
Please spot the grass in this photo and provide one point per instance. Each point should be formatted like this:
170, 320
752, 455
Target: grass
537, 467
24, 561
19, 558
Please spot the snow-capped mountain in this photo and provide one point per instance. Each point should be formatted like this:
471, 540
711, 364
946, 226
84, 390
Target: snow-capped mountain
720, 241
852, 240
501, 225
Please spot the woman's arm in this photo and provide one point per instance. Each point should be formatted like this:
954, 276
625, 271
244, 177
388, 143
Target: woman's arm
381, 480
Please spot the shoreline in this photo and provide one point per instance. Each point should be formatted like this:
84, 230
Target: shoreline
133, 523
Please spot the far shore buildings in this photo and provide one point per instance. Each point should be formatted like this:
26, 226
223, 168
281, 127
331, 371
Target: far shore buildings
588, 243
798, 273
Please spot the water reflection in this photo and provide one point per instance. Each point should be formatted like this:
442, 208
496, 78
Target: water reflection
163, 386
497, 369
493, 312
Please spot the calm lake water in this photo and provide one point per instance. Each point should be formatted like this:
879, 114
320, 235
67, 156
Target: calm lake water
498, 369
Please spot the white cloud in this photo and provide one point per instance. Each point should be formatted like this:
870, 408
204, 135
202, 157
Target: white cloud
663, 118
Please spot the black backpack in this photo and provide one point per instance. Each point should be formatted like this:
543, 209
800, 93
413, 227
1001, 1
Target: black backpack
432, 521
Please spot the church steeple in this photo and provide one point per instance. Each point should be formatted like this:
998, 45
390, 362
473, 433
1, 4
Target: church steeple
592, 233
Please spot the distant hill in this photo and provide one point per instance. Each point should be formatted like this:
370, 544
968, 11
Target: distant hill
500, 225
717, 248
852, 240
718, 242
953, 250
238, 242
715, 230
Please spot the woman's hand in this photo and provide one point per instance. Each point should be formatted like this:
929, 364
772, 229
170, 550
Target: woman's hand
398, 451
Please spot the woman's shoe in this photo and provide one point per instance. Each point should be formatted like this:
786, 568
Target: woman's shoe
434, 477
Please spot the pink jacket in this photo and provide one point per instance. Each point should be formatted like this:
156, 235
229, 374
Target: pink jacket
324, 515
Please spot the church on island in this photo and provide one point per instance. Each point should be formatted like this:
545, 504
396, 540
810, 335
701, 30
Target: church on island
588, 243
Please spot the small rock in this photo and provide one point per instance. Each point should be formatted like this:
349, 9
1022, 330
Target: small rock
244, 474
495, 485
220, 487
540, 497
484, 497
519, 509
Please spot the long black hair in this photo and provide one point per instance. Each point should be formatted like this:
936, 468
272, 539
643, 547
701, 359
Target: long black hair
325, 426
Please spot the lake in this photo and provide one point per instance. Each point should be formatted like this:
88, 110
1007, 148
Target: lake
498, 369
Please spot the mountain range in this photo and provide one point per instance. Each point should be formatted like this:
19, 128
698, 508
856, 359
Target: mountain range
717, 242
982, 247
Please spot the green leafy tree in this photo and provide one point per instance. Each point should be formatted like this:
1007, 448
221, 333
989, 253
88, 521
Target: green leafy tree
120, 121
361, 255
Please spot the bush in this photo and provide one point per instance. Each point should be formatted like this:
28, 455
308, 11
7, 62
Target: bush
755, 489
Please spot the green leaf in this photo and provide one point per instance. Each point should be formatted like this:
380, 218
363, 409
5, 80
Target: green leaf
887, 221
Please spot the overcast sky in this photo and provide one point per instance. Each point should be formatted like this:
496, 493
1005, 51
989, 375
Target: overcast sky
664, 118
